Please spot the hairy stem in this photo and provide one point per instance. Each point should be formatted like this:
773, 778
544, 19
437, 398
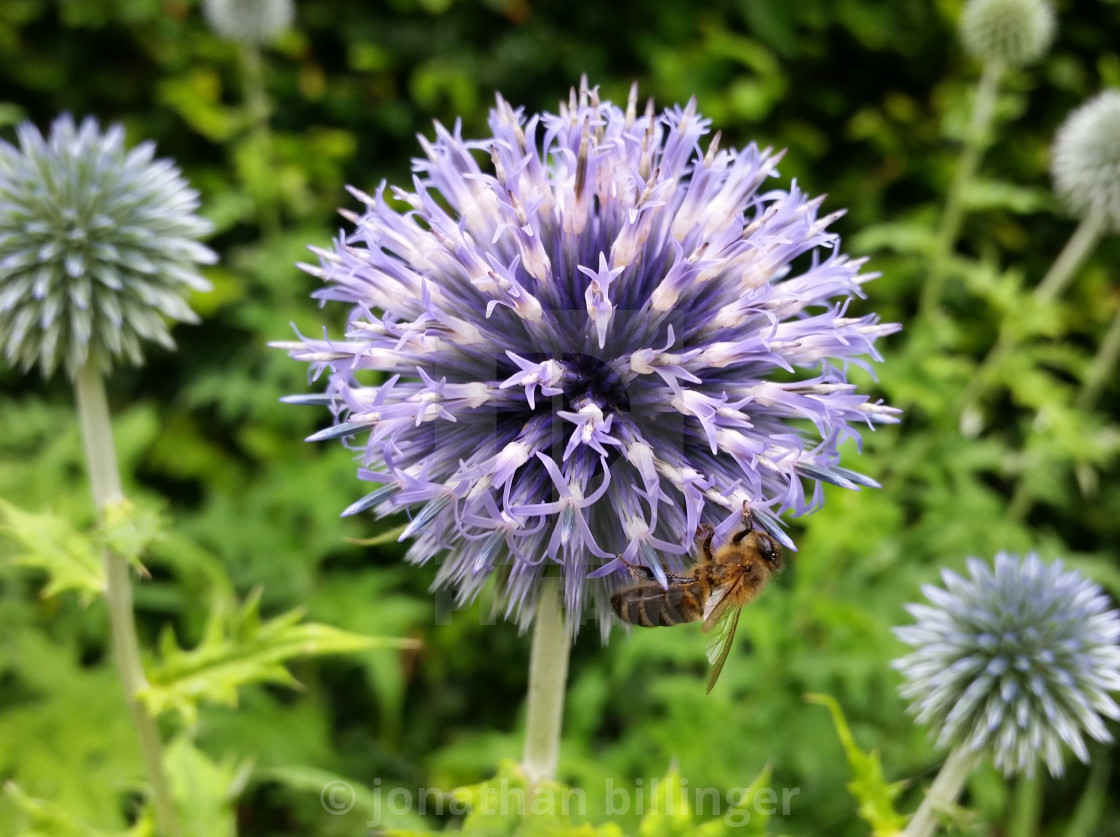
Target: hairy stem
1026, 805
942, 793
548, 675
1090, 807
1080, 244
1101, 370
257, 114
105, 480
980, 121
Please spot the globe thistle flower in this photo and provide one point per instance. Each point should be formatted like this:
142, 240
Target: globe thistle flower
97, 247
1013, 32
1014, 662
1086, 159
591, 345
254, 22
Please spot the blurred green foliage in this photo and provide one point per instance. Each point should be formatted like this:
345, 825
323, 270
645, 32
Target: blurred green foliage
871, 100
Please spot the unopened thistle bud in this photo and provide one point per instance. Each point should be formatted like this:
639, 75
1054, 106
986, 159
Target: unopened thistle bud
1014, 662
1086, 159
1014, 32
98, 247
249, 21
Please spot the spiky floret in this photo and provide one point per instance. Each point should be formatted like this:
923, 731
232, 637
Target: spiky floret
1086, 159
1013, 32
249, 21
583, 336
1014, 661
98, 247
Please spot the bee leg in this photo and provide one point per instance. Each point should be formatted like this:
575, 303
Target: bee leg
748, 524
643, 573
705, 533
637, 570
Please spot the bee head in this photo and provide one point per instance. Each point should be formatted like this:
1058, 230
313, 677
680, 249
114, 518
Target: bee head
769, 549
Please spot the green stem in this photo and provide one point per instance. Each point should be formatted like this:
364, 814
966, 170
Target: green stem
257, 113
548, 675
979, 123
1100, 371
942, 793
1087, 816
105, 480
1026, 807
1080, 244
1020, 502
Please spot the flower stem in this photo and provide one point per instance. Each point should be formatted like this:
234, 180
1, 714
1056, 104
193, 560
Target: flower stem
942, 793
983, 109
1090, 807
257, 113
1100, 371
105, 480
1026, 806
1080, 244
548, 675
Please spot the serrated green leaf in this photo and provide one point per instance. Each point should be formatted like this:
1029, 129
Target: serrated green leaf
46, 819
70, 558
128, 528
910, 235
669, 813
873, 793
749, 816
66, 734
204, 790
984, 194
507, 805
238, 649
496, 805
342, 796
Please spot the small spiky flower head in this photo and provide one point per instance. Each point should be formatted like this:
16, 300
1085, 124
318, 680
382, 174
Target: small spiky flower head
599, 340
1014, 661
249, 21
1013, 32
98, 247
1086, 159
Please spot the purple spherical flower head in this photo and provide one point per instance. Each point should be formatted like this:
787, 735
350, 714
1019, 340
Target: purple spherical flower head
582, 337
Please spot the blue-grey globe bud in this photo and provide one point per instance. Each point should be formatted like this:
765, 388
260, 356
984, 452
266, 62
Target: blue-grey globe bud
1014, 662
1014, 32
249, 21
98, 247
1086, 159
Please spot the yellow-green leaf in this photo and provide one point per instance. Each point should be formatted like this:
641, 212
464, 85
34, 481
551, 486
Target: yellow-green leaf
748, 816
46, 819
69, 557
204, 790
873, 793
238, 649
669, 813
127, 530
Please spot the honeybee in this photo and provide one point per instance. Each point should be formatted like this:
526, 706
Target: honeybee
715, 590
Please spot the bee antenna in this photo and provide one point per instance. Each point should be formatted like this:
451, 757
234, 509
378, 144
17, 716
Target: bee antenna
748, 527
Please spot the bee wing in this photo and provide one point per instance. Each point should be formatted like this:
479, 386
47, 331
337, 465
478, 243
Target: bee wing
719, 643
715, 608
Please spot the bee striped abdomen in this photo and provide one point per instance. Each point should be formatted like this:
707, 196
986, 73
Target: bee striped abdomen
649, 606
